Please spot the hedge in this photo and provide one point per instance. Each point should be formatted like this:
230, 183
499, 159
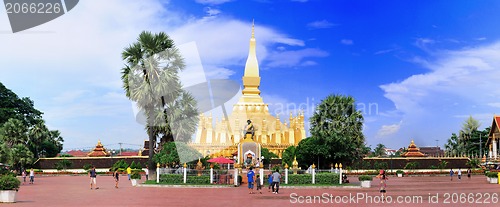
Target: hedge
179, 179
320, 178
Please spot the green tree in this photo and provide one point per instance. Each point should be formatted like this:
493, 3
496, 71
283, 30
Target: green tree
338, 125
14, 132
312, 150
13, 107
267, 155
176, 152
288, 155
150, 78
21, 157
379, 151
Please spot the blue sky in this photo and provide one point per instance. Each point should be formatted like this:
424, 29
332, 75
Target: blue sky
417, 68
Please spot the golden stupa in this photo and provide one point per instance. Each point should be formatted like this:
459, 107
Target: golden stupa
223, 138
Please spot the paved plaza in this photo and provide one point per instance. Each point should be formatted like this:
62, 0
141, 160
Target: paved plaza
410, 191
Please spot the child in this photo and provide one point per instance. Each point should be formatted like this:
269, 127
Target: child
24, 176
383, 184
259, 186
270, 181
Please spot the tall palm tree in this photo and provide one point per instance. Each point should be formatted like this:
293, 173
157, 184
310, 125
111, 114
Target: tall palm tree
150, 78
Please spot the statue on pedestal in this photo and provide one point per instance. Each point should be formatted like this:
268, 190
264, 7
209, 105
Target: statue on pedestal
249, 129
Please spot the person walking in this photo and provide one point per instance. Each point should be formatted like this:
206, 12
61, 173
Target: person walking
259, 186
276, 181
250, 176
93, 177
459, 174
451, 174
116, 176
32, 176
469, 173
23, 174
383, 184
147, 172
129, 171
270, 181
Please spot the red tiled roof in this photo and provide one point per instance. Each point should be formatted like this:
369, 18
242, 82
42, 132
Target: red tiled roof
129, 154
76, 153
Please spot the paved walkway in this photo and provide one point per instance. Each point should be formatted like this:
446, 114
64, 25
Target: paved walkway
414, 191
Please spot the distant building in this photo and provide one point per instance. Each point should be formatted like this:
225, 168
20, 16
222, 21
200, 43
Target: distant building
390, 152
432, 151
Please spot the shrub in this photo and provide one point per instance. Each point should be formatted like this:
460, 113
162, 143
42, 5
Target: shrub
135, 175
411, 165
63, 164
87, 167
300, 179
399, 172
9, 182
327, 178
172, 178
365, 178
204, 179
492, 174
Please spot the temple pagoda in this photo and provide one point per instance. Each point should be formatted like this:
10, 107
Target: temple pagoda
223, 138
493, 141
98, 151
413, 151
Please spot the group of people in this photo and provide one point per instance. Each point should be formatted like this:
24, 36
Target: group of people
116, 176
459, 173
32, 176
273, 180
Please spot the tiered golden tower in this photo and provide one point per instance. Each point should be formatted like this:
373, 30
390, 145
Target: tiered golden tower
270, 132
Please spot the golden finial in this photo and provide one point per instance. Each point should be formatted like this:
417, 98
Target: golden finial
185, 165
313, 166
286, 165
336, 165
253, 28
340, 165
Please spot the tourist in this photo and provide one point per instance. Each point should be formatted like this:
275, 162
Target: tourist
451, 174
469, 173
270, 181
129, 171
250, 176
383, 184
93, 176
276, 181
116, 176
32, 176
24, 176
259, 186
344, 178
257, 163
147, 173
459, 174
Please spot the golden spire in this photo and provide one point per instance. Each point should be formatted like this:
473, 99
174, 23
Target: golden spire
251, 78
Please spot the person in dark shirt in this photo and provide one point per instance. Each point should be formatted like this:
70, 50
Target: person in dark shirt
93, 175
116, 176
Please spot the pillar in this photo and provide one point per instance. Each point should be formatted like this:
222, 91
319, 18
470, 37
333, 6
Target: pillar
211, 175
286, 176
495, 155
490, 153
185, 172
313, 173
157, 172
235, 177
340, 170
261, 172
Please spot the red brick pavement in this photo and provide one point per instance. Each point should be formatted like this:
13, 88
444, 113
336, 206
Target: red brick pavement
75, 191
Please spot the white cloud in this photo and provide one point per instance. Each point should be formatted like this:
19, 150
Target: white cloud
387, 130
212, 2
294, 58
212, 12
71, 66
346, 42
427, 102
321, 24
